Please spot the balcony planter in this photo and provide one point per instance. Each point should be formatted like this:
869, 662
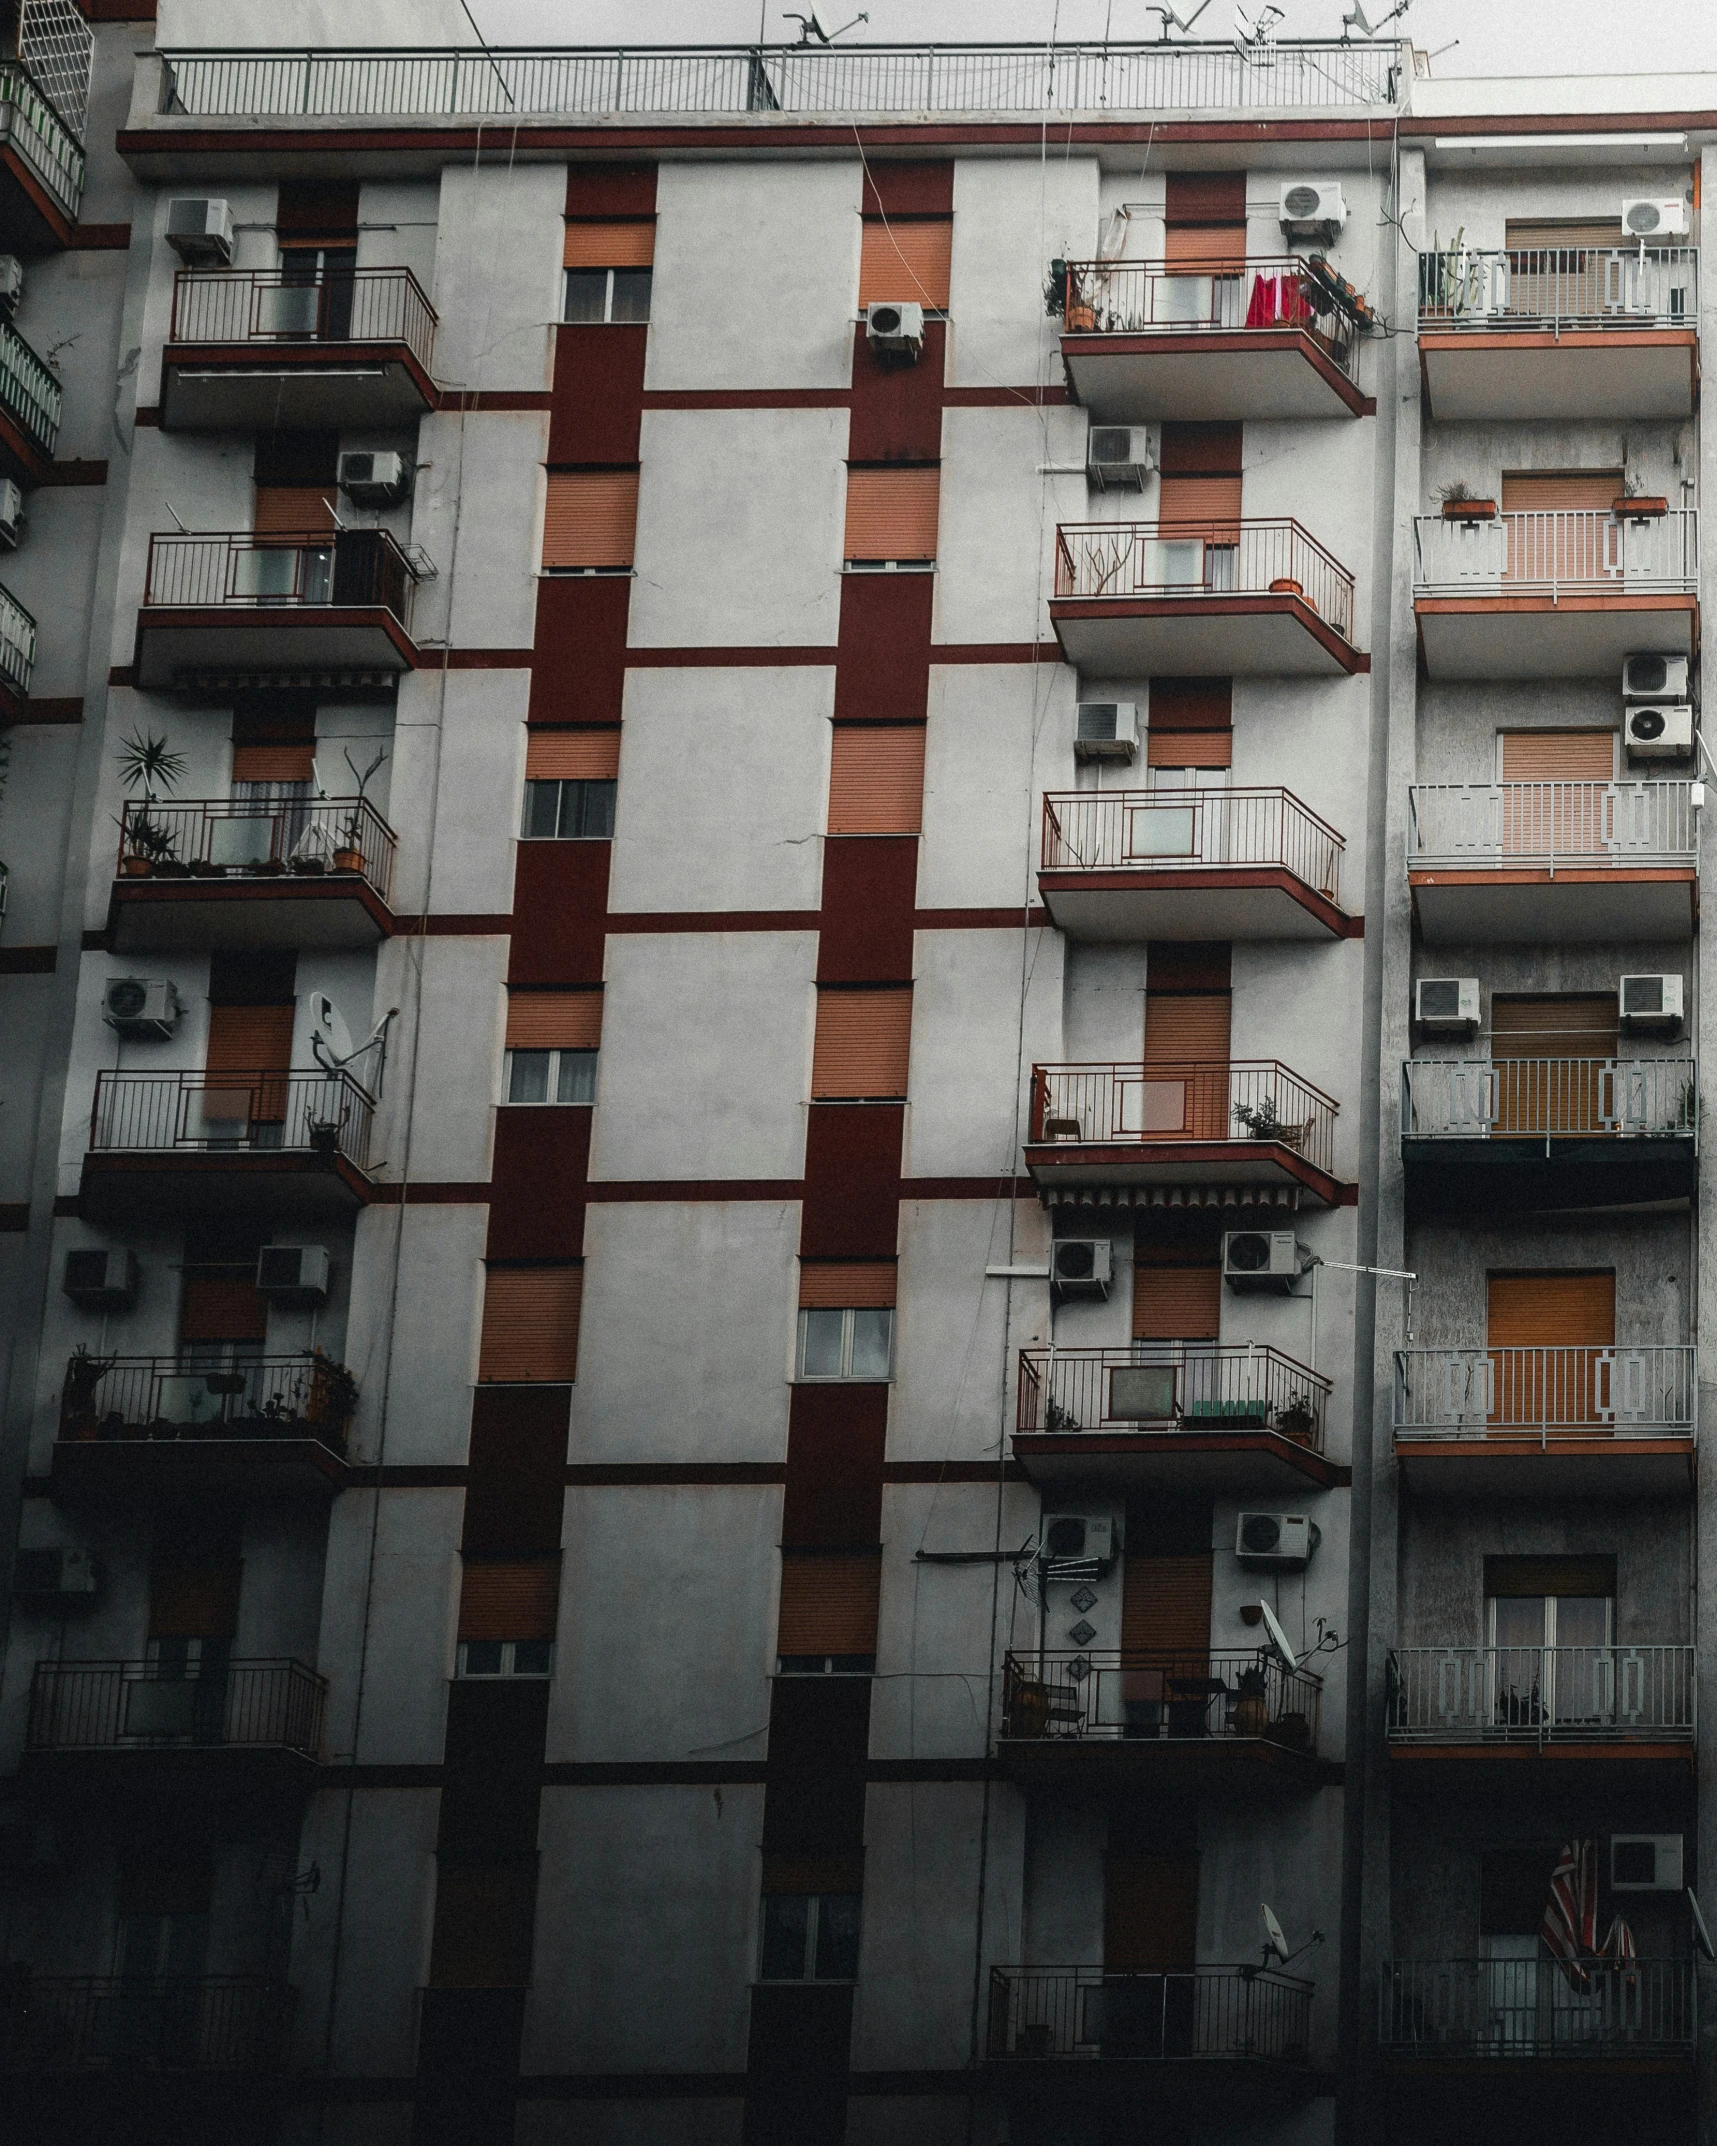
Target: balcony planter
171, 868
269, 867
1028, 1710
348, 860
1469, 510
1081, 320
1286, 585
1641, 510
136, 867
310, 867
324, 1136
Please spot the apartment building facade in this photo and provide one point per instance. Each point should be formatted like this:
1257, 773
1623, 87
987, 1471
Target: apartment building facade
853, 1249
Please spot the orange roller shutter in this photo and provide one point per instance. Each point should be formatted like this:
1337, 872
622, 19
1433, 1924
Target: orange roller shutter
1555, 1027
572, 755
1190, 1031
228, 1308
554, 1021
1205, 501
829, 1605
839, 1283
250, 1039
1552, 1310
891, 513
193, 1602
1558, 755
876, 780
530, 1324
1165, 1605
1205, 246
1189, 748
509, 1599
590, 517
1546, 491
609, 246
1176, 1303
1547, 234
274, 763
294, 510
863, 1042
906, 261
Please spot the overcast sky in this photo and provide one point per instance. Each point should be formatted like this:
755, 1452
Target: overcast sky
1495, 36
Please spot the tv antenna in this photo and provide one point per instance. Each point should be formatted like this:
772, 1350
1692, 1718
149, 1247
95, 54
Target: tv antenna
1256, 26
1356, 20
1173, 19
814, 27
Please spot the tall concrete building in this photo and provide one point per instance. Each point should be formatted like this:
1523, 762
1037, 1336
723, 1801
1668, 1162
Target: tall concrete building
851, 1149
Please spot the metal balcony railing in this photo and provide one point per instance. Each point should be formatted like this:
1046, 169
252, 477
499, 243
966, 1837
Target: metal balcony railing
277, 305
1182, 830
17, 643
29, 392
1463, 826
1555, 1098
1545, 1393
1560, 287
157, 2023
1535, 2008
1070, 1696
227, 838
1092, 2013
518, 83
351, 568
1155, 298
1136, 560
1260, 1100
147, 1706
212, 1393
1584, 551
29, 123
1540, 1695
200, 1112
1171, 1386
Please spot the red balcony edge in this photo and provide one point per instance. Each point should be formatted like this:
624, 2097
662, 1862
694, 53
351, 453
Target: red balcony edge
210, 617
1551, 606
112, 1467
344, 886
1192, 879
1231, 1756
1225, 605
16, 446
1447, 341
62, 233
1227, 341
271, 357
1041, 1157
274, 1162
1081, 1445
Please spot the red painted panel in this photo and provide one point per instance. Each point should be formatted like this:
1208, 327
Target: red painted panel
869, 885
882, 661
560, 896
580, 669
536, 1197
611, 190
925, 189
896, 407
819, 1734
835, 1441
1202, 450
852, 1181
517, 1482
598, 393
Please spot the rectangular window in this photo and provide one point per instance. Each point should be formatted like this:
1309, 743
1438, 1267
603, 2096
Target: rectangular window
568, 812
590, 520
550, 1077
619, 244
607, 296
828, 1613
810, 1937
506, 1657
554, 1020
863, 1043
906, 259
892, 516
852, 1341
530, 1325
876, 779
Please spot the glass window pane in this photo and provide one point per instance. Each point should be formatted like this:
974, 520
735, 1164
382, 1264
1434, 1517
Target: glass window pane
531, 1657
873, 1343
542, 810
786, 1920
577, 1077
838, 1937
820, 1344
596, 810
529, 1081
631, 294
586, 294
482, 1657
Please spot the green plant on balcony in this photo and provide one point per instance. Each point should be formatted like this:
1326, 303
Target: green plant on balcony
1264, 1122
349, 855
83, 1375
1058, 1418
1295, 1419
149, 768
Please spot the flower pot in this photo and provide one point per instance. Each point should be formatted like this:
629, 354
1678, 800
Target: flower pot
171, 868
1469, 510
1081, 320
1294, 1730
1252, 1716
1286, 585
311, 867
324, 1139
348, 860
136, 867
1639, 510
1028, 1711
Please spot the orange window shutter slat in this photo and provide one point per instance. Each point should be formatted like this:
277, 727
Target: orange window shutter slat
554, 1021
862, 1044
509, 1599
1165, 1605
828, 1605
1547, 491
1558, 755
609, 245
1552, 1310
530, 1325
250, 1039
223, 1308
1212, 501
1176, 1303
274, 763
1205, 246
1545, 234
193, 1602
294, 509
1189, 1031
876, 779
1150, 1912
590, 517
891, 513
1555, 1027
909, 261
572, 755
859, 1283
1189, 748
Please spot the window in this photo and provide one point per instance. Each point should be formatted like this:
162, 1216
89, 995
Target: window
590, 520
506, 1657
906, 258
851, 1342
892, 515
530, 1325
862, 1045
810, 1937
607, 295
561, 811
551, 1077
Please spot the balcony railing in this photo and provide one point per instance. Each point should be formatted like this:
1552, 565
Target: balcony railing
275, 305
1171, 1386
1535, 2008
1258, 1101
1540, 1695
147, 1706
157, 2023
225, 838
1560, 287
29, 392
1544, 1393
1132, 561
225, 1396
1154, 298
1090, 2013
1156, 1697
232, 1113
1466, 826
355, 568
1583, 551
1556, 1098
511, 83
1179, 830
41, 137
17, 643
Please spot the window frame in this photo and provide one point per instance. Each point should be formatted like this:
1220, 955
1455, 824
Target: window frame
555, 1054
607, 319
561, 783
508, 1671
846, 1376
813, 1940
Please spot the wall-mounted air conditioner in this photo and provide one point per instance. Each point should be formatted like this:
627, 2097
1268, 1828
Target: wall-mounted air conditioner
1645, 1863
11, 514
140, 1006
1077, 1546
1313, 207
1648, 676
1118, 458
372, 479
99, 1279
1277, 1540
1651, 1004
1081, 1266
201, 231
64, 1571
1446, 1005
895, 327
1662, 732
1106, 730
293, 1273
1643, 218
1255, 1260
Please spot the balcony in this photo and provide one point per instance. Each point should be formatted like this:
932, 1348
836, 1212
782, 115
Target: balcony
142, 1425
1546, 1422
213, 872
1548, 1133
1573, 332
200, 1143
17, 658
29, 411
1190, 864
1478, 1714
1506, 2011
139, 1713
1552, 863
210, 2025
1255, 1125
230, 610
1270, 339
253, 348
1553, 594
41, 169
1258, 598
1172, 1417
1229, 2016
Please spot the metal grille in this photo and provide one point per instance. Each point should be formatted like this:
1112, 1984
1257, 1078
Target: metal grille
150, 2023
225, 838
1531, 2008
1162, 1386
1576, 286
1545, 1393
55, 44
1539, 1695
1176, 830
1039, 2013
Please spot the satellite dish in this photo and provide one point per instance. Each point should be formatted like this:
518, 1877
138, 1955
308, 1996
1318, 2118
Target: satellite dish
330, 1038
1274, 1941
1279, 1641
1701, 1936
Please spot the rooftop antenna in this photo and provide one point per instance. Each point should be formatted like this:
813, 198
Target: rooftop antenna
814, 27
1173, 19
1356, 20
1256, 26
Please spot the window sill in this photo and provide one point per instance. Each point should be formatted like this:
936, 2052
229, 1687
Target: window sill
888, 566
586, 573
548, 1103
802, 1378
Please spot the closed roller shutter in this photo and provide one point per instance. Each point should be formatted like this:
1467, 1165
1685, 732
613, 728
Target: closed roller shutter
1150, 1912
590, 517
1182, 1033
1188, 748
1191, 723
1555, 1025
1538, 232
1165, 1630
863, 1043
1204, 502
1566, 533
530, 1324
891, 514
876, 779
828, 1604
512, 1598
1550, 1055
554, 1021
572, 755
1538, 821
1204, 197
630, 245
222, 1308
274, 763
906, 261
1205, 246
1176, 1303
1558, 755
193, 1602
1548, 1335
294, 510
840, 1283
1565, 491
1564, 1576
250, 1039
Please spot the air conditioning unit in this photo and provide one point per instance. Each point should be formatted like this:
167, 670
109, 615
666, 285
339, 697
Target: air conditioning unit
1313, 206
1652, 1004
1446, 1005
100, 1280
1255, 1260
1279, 1541
63, 1570
1081, 1266
374, 480
1648, 676
11, 514
11, 284
1077, 1546
140, 1006
895, 327
1120, 457
1106, 730
201, 231
1646, 1863
293, 1273
1663, 732
1656, 219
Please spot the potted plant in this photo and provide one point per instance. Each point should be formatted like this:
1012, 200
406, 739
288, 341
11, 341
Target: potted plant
1058, 1418
1286, 585
147, 765
147, 847
83, 1375
349, 850
1295, 1420
324, 1136
1462, 504
1263, 1122
1252, 1714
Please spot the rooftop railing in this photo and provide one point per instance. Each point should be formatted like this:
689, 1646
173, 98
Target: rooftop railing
1536, 2008
227, 838
148, 1706
350, 568
233, 1396
656, 80
156, 2023
1459, 826
1171, 1386
1560, 287
1539, 1695
1038, 2014
1585, 551
31, 126
277, 305
1544, 1393
1259, 1101
29, 391
1148, 1696
17, 643
1133, 560
1179, 830
199, 1112
1157, 298
1551, 1098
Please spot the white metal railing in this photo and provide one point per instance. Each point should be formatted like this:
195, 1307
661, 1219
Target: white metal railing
17, 642
1203, 558
1515, 1393
1460, 825
1561, 1098
1175, 830
1556, 286
1583, 550
1482, 1695
29, 123
1534, 2008
56, 44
